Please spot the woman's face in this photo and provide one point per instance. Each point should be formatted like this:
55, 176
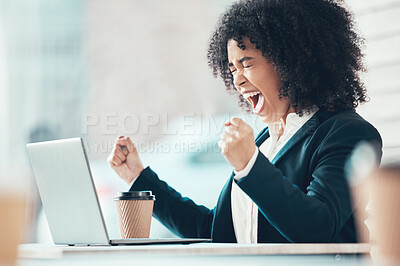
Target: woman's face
257, 81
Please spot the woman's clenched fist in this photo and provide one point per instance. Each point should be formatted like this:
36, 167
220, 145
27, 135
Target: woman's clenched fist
124, 159
237, 143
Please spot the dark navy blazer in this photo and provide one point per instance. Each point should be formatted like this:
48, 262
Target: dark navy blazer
302, 194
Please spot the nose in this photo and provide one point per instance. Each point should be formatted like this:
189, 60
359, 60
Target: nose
239, 79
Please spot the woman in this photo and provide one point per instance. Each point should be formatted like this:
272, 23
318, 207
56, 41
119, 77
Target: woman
296, 64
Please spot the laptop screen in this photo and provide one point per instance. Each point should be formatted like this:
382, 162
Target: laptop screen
67, 191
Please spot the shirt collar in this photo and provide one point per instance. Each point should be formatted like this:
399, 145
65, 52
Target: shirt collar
293, 122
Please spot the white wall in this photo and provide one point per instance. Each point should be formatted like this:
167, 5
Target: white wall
379, 23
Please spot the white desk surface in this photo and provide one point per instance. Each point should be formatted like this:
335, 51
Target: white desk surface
195, 254
53, 251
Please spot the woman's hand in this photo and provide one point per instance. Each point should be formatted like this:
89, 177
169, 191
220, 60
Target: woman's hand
124, 159
237, 143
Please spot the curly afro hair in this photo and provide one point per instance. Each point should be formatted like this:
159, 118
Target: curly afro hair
312, 44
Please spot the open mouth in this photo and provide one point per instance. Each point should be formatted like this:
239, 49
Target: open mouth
256, 99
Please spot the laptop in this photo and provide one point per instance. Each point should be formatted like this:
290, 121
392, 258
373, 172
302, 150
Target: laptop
66, 187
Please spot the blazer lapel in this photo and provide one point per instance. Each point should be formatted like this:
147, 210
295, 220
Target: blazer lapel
307, 129
264, 134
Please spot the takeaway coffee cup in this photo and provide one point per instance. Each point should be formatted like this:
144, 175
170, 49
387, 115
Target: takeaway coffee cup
14, 203
385, 204
12, 211
134, 210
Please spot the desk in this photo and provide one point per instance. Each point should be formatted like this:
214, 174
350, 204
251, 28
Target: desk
196, 254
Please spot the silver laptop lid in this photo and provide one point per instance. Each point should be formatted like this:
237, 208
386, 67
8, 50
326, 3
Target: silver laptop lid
67, 191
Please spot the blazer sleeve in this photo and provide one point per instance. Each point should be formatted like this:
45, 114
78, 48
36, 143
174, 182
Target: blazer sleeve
318, 214
179, 214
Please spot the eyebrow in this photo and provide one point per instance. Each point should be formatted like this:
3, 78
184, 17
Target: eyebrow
246, 58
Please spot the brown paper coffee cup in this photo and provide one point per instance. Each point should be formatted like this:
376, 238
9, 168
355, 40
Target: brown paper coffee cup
385, 204
134, 210
12, 211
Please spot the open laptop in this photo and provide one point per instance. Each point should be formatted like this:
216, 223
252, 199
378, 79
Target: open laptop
69, 197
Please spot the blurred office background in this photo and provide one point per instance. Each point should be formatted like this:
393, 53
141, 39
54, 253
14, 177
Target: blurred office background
97, 69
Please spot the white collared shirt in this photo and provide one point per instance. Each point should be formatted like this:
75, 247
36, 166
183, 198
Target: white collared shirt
244, 210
